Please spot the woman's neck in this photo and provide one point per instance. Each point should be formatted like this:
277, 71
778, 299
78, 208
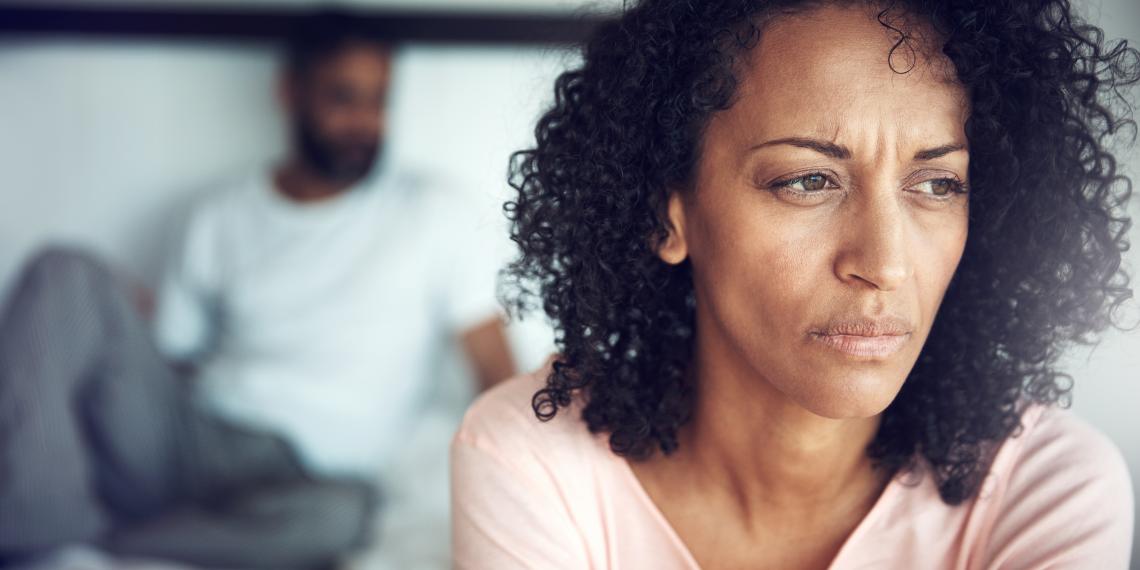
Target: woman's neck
770, 452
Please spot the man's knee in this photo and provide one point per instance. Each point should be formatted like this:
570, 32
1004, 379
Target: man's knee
59, 274
56, 262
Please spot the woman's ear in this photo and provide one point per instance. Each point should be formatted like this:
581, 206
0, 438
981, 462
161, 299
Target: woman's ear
673, 249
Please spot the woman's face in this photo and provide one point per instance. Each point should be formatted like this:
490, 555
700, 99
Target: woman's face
826, 222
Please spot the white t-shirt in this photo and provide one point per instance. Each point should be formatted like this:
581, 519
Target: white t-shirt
323, 321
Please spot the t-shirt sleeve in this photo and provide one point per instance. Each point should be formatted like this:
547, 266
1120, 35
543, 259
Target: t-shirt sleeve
1067, 503
187, 295
507, 510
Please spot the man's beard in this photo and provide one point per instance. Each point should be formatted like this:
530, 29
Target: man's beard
337, 161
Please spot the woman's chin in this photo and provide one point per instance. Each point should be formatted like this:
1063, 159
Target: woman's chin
849, 396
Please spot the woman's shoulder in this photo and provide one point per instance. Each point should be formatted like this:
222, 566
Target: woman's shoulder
528, 493
1065, 495
503, 419
1054, 441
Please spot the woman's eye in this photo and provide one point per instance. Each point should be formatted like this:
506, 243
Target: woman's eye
813, 182
941, 187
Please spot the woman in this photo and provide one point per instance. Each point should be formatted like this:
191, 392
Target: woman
743, 218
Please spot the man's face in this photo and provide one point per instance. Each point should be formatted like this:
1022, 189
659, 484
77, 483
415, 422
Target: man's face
338, 111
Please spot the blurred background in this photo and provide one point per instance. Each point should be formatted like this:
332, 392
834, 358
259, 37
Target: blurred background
116, 117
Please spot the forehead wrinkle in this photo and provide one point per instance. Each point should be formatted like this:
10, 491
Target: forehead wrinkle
844, 109
890, 135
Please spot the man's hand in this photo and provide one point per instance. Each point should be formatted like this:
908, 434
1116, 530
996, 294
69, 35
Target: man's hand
489, 352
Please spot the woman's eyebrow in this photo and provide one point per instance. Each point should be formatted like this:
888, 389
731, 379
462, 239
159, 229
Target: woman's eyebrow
823, 147
938, 151
841, 152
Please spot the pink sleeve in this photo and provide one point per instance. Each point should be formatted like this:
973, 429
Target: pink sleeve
507, 510
1067, 502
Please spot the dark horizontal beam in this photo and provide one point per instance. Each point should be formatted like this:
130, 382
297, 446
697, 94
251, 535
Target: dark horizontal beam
271, 24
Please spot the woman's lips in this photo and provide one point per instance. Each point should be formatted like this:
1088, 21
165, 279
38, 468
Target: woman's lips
880, 346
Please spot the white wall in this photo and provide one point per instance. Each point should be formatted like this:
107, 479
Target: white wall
102, 143
1107, 378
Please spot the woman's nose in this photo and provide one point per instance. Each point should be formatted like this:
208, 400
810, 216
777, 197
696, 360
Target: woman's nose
876, 250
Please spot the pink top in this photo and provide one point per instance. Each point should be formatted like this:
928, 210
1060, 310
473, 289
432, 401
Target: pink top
528, 494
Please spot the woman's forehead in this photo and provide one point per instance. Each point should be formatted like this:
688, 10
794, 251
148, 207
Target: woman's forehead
830, 72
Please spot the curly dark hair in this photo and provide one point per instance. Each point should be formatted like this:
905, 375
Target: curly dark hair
1040, 272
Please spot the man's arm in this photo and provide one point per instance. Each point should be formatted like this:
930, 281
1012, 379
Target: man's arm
184, 308
488, 351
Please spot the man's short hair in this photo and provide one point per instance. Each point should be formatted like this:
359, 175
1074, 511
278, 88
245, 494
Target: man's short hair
316, 37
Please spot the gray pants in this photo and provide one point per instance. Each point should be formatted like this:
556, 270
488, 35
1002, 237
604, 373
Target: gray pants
100, 444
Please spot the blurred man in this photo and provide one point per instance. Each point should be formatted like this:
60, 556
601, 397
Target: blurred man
306, 306
315, 298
